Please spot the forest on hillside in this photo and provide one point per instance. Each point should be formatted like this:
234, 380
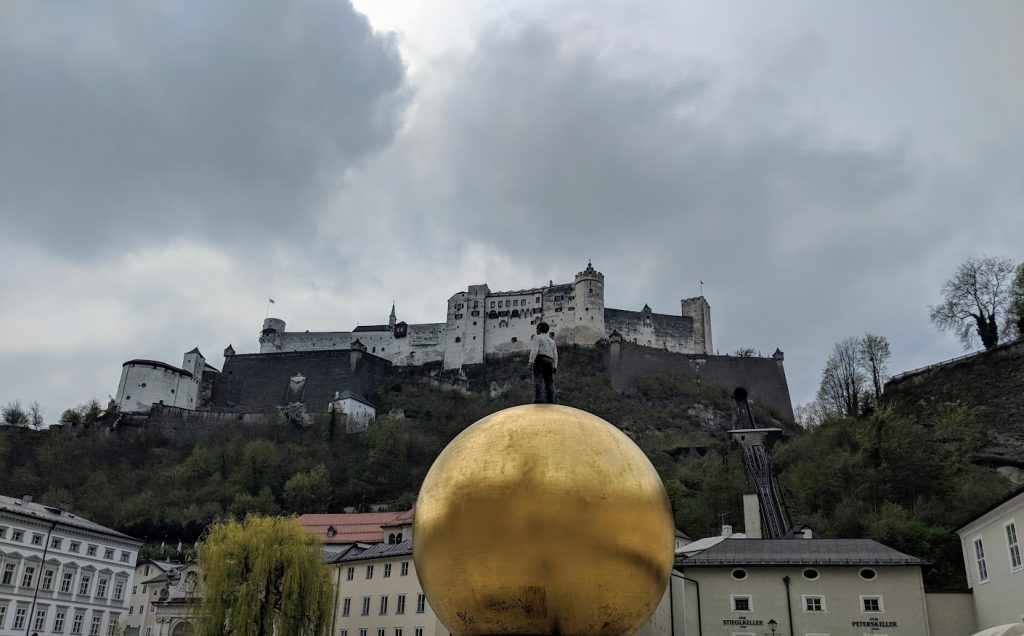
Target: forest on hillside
880, 476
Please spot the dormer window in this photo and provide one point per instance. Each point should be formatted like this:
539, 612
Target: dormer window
331, 531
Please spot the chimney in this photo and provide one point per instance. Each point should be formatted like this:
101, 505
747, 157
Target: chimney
726, 531
26, 498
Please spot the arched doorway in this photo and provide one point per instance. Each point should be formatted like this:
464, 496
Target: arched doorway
183, 628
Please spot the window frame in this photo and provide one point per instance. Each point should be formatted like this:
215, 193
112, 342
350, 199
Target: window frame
1013, 549
864, 598
735, 597
806, 604
980, 559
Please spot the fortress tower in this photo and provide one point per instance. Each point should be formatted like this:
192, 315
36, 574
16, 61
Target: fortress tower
588, 325
270, 337
700, 311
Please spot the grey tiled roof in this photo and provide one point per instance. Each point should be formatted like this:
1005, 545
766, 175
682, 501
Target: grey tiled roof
62, 517
799, 552
378, 551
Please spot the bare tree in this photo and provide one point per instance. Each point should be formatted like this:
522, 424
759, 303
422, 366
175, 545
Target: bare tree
842, 380
13, 415
35, 416
872, 355
744, 352
975, 299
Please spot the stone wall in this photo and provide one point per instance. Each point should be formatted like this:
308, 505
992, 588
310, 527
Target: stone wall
659, 331
260, 382
764, 379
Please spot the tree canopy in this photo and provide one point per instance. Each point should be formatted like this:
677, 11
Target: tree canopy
263, 576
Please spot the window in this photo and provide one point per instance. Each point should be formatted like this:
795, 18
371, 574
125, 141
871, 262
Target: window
90, 550
83, 584
55, 543
19, 617
739, 575
387, 570
979, 556
58, 620
814, 603
400, 604
362, 632
398, 631
65, 583
118, 590
383, 605
18, 536
418, 631
3, 615
343, 632
74, 546
811, 574
381, 632
351, 574
3, 532
366, 606
8, 576
108, 553
37, 539
868, 574
40, 622
421, 602
27, 576
1013, 545
871, 604
369, 572
76, 623
48, 579
94, 629
101, 588
515, 303
126, 557
405, 568
112, 625
346, 606
740, 603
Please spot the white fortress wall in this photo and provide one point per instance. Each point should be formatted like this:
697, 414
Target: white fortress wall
144, 383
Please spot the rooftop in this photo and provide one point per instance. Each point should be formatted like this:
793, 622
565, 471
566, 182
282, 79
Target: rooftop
50, 514
799, 552
378, 551
356, 527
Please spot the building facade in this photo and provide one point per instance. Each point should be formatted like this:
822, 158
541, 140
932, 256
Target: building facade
481, 323
994, 559
147, 382
60, 573
150, 578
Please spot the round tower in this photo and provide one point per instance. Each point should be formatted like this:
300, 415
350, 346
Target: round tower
589, 305
270, 337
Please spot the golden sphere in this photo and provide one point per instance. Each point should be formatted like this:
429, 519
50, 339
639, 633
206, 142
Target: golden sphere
543, 519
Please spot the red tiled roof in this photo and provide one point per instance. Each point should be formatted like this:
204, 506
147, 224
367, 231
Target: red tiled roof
356, 527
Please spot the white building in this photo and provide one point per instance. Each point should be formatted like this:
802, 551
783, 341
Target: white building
357, 410
993, 552
483, 323
142, 618
144, 383
60, 573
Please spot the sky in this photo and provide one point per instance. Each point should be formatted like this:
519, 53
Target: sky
165, 168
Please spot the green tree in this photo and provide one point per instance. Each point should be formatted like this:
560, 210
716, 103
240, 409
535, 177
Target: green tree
305, 491
14, 415
842, 380
975, 299
873, 354
261, 577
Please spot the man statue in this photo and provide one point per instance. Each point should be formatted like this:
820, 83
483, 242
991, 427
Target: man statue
544, 364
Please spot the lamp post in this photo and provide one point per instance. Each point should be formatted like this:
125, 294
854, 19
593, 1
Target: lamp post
773, 625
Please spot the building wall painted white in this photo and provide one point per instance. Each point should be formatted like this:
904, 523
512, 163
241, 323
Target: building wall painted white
480, 323
377, 579
83, 576
144, 383
993, 551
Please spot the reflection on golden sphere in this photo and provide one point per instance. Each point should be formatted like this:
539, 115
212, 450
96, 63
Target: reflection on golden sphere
543, 519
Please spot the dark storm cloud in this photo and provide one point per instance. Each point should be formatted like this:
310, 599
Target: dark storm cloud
145, 120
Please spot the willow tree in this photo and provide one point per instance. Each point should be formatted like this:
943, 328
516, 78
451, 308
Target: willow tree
263, 576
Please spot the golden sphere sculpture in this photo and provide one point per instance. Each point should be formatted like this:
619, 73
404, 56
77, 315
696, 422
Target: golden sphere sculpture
543, 519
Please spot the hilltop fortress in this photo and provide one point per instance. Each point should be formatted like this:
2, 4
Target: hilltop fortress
482, 323
316, 367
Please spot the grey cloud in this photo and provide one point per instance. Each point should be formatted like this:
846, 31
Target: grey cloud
139, 120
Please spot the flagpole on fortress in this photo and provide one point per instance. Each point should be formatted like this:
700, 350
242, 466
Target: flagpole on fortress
270, 301
701, 286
